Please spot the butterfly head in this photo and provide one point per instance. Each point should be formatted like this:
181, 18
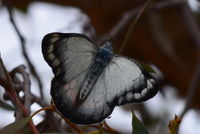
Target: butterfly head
105, 53
107, 46
107, 49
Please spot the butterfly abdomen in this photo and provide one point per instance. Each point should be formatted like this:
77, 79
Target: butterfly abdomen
90, 80
103, 57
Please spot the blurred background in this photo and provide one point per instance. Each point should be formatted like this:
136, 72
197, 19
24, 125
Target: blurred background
167, 37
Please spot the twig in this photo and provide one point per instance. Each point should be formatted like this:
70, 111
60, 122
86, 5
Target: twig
130, 15
72, 125
25, 85
29, 97
124, 43
52, 117
50, 108
162, 40
194, 32
39, 101
22, 40
106, 128
11, 90
56, 122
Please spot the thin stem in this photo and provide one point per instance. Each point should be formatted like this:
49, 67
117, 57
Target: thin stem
72, 125
194, 31
124, 43
22, 40
12, 92
51, 108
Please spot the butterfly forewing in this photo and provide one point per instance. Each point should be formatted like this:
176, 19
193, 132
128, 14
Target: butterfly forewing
68, 54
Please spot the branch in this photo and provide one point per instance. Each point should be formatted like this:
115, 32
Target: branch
162, 40
24, 85
9, 88
140, 13
194, 31
22, 40
130, 15
39, 101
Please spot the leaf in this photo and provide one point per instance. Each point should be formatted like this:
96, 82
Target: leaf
15, 126
6, 106
137, 126
147, 67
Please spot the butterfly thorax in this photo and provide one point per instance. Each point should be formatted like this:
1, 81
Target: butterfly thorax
104, 54
102, 58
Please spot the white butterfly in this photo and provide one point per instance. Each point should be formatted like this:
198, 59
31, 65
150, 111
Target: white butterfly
90, 81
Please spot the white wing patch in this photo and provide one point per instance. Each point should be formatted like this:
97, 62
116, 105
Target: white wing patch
126, 82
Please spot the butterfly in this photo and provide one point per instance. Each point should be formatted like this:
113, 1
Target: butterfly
90, 80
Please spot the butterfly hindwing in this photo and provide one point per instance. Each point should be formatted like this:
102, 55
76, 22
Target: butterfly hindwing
126, 81
92, 110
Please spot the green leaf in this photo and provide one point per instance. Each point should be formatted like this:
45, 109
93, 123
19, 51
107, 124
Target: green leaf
147, 67
15, 126
137, 126
6, 106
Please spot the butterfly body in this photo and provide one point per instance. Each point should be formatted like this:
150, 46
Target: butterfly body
103, 56
90, 81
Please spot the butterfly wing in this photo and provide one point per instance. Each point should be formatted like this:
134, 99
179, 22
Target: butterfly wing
71, 56
91, 110
68, 54
126, 81
122, 81
94, 108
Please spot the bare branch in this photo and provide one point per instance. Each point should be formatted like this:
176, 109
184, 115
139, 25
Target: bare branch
22, 40
9, 88
130, 15
194, 31
163, 41
39, 101
25, 85
140, 13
